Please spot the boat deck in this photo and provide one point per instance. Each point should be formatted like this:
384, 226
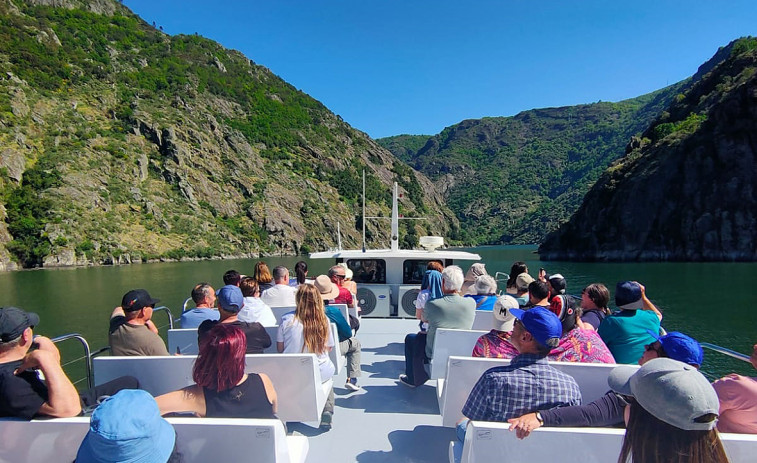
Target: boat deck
384, 421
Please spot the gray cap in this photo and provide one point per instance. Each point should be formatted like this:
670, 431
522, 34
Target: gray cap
671, 391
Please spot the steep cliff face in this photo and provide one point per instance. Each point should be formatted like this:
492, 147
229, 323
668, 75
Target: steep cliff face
119, 143
687, 191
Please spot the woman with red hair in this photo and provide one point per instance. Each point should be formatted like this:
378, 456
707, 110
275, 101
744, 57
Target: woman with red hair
223, 389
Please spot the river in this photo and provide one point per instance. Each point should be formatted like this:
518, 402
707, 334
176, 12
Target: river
708, 301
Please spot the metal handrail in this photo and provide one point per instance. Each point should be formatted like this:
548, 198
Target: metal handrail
726, 351
170, 315
87, 353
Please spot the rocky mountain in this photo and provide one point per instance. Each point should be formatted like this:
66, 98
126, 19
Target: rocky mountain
119, 143
512, 180
686, 189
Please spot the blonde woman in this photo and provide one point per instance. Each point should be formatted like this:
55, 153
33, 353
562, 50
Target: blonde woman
307, 330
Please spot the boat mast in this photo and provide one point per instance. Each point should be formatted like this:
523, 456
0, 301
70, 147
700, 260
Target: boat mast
395, 220
363, 210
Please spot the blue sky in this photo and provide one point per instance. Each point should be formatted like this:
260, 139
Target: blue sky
390, 67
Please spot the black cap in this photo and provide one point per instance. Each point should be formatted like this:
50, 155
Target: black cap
13, 322
137, 299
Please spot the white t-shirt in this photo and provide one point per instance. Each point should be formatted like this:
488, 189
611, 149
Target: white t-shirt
290, 333
279, 296
255, 310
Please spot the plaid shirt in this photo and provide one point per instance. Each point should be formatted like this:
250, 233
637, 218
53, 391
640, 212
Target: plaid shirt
526, 385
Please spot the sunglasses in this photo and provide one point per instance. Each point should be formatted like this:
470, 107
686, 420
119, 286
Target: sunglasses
341, 276
655, 346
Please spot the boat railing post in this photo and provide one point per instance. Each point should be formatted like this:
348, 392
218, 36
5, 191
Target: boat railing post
170, 316
87, 353
726, 351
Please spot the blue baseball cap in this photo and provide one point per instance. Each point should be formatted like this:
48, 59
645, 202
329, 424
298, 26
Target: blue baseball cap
680, 347
543, 325
127, 428
230, 298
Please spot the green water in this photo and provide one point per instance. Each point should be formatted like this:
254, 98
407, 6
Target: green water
709, 301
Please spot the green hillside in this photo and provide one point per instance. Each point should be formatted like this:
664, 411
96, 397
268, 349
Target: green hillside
121, 143
514, 179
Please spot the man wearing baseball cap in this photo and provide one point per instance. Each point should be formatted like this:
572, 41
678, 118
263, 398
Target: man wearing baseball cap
230, 302
608, 409
132, 331
22, 393
506, 392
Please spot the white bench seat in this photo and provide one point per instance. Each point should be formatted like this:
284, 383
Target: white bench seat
198, 440
486, 442
449, 342
464, 372
296, 378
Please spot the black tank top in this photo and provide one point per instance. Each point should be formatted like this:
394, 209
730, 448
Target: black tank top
247, 400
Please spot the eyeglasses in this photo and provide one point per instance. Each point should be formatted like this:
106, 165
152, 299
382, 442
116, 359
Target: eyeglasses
341, 276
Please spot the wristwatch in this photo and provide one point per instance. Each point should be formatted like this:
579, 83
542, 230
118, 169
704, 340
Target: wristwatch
539, 418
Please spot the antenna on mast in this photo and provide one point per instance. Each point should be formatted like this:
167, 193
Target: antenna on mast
338, 236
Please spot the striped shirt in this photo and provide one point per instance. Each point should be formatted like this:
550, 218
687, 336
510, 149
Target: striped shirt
526, 385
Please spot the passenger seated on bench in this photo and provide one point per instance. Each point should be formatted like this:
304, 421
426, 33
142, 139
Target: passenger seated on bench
307, 330
232, 277
22, 393
223, 389
475, 271
672, 414
594, 301
608, 409
349, 345
485, 292
431, 288
263, 276
521, 284
515, 270
131, 330
127, 427
738, 401
626, 332
538, 294
576, 343
230, 302
204, 298
495, 343
254, 310
505, 392
450, 311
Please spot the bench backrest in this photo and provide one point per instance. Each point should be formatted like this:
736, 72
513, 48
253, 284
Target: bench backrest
464, 372
486, 442
450, 342
483, 320
199, 440
185, 340
335, 354
279, 312
296, 378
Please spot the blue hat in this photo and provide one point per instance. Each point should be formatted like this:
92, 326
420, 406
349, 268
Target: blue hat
230, 298
628, 295
543, 325
680, 347
127, 428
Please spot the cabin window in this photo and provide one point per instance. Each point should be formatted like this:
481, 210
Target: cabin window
368, 270
413, 271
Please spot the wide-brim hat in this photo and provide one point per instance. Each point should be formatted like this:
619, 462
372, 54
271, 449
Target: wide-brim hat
127, 428
669, 390
326, 287
502, 318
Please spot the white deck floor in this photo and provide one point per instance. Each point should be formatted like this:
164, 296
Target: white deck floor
384, 421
